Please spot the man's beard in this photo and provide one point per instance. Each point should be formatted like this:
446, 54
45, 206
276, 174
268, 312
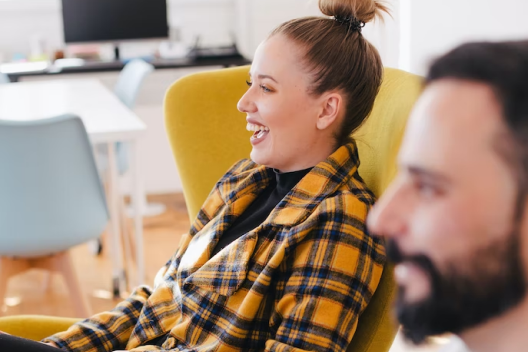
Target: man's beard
485, 284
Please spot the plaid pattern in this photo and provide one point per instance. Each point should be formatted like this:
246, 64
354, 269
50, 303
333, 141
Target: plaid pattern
297, 282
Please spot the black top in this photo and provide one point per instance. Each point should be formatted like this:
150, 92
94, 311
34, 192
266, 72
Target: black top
260, 209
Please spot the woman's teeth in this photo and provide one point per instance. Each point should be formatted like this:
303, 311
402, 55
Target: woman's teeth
260, 134
253, 127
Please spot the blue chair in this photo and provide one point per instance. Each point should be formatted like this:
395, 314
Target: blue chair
130, 80
126, 89
51, 199
4, 78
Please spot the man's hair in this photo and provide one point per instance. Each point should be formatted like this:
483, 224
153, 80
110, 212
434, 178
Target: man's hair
503, 66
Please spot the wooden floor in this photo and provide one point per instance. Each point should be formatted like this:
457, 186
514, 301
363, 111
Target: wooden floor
26, 293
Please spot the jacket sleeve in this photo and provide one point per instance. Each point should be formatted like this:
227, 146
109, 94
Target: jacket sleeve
107, 331
329, 276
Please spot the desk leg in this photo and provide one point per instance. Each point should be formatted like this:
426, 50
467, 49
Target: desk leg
138, 197
115, 233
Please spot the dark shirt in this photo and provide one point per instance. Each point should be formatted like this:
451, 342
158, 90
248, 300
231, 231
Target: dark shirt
260, 209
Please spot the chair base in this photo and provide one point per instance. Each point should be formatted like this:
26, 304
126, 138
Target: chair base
149, 210
60, 262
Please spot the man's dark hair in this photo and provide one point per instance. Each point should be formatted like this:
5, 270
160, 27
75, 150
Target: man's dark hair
503, 66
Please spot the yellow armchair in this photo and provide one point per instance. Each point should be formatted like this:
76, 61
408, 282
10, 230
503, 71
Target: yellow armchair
208, 135
34, 327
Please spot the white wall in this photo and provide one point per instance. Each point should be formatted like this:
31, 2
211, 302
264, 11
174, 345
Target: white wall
257, 18
438, 26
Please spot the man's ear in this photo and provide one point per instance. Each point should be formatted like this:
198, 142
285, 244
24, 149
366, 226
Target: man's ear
332, 104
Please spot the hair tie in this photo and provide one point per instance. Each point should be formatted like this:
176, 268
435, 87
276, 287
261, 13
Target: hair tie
351, 22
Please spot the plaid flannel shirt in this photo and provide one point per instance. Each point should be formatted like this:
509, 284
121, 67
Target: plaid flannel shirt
299, 281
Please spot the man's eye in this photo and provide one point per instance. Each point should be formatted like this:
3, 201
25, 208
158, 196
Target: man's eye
426, 189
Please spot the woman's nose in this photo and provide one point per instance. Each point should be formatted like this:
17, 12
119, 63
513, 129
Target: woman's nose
246, 104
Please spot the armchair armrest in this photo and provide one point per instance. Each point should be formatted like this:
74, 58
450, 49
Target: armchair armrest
34, 327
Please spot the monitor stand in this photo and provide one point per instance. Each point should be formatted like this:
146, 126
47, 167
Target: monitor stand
116, 52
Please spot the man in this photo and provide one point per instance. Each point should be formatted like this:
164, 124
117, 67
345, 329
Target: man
455, 217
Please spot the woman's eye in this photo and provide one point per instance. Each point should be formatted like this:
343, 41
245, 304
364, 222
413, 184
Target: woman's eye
265, 89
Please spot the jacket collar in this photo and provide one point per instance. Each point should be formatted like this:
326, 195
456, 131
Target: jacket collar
198, 268
323, 180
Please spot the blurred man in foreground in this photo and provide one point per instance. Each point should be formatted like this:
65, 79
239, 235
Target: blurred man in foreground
456, 217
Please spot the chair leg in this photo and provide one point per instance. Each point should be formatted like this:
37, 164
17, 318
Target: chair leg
9, 267
46, 282
4, 277
64, 264
126, 237
132, 239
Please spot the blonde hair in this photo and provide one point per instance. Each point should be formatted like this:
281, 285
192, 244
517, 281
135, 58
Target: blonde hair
339, 57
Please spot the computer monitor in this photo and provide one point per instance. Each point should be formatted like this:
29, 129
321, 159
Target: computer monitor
114, 21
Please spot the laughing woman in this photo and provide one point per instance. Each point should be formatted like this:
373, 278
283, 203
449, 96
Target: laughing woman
278, 258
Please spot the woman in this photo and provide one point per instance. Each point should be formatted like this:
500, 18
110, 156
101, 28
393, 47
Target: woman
278, 257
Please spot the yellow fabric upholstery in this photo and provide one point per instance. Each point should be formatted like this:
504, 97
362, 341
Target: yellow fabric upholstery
34, 327
208, 135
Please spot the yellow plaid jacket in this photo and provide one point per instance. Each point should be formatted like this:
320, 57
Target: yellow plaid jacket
297, 282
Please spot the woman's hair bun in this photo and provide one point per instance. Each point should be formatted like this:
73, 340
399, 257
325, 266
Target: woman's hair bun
363, 10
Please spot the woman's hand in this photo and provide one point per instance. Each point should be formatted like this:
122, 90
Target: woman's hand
52, 344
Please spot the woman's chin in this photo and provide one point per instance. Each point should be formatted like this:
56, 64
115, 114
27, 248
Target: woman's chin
258, 157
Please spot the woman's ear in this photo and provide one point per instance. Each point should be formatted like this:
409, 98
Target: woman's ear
332, 105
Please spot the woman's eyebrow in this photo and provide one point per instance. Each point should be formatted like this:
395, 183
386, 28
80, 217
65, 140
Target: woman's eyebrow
261, 76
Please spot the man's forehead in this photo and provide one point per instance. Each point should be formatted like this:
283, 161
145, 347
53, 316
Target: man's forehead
459, 104
452, 122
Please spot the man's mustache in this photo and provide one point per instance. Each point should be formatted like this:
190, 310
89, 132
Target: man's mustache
395, 255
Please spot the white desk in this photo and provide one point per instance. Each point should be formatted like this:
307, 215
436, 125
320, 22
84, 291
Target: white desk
107, 120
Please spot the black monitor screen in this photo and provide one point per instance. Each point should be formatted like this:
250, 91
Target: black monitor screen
113, 20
